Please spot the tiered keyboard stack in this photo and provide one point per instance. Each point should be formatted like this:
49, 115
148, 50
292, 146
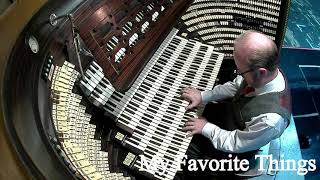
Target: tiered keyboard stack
152, 112
73, 128
95, 86
219, 22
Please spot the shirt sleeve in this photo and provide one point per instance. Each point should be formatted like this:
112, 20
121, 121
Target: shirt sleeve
223, 91
258, 132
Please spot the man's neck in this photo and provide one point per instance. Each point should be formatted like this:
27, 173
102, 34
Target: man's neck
269, 78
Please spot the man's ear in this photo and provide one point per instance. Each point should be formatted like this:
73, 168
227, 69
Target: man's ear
263, 72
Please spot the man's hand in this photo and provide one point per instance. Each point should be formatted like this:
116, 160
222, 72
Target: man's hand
192, 95
194, 126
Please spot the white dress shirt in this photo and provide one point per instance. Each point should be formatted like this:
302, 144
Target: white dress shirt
258, 132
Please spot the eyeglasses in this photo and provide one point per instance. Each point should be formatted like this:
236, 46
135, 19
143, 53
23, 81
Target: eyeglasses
242, 73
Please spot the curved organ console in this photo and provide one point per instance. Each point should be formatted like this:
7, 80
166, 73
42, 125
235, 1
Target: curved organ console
219, 22
104, 80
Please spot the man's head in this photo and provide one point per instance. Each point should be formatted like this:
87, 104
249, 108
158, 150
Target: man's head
256, 58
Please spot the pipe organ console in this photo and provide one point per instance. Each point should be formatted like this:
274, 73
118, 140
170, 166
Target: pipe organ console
219, 22
97, 83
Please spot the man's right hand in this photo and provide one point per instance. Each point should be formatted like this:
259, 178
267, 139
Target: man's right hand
192, 95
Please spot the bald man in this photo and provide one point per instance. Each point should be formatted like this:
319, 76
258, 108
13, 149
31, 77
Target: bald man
248, 112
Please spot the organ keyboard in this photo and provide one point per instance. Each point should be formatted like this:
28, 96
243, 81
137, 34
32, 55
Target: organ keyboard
152, 112
129, 91
223, 20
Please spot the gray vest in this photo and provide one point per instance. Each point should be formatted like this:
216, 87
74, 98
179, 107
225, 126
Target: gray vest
231, 114
245, 108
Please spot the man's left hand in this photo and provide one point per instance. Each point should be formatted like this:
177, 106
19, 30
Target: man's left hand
194, 126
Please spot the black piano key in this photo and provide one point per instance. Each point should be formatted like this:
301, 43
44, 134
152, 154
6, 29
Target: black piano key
146, 116
212, 63
164, 120
171, 112
169, 81
151, 110
187, 84
209, 68
158, 99
126, 117
165, 88
168, 157
156, 71
197, 59
140, 89
153, 77
172, 152
171, 78
195, 66
137, 98
157, 68
148, 84
159, 132
103, 85
142, 129
174, 74
168, 117
173, 45
145, 87
203, 48
171, 48
163, 63
154, 107
148, 156
183, 56
111, 103
183, 59
177, 101
178, 135
109, 108
157, 139
200, 54
161, 96
154, 142
150, 79
189, 45
173, 148
214, 56
152, 148
139, 95
117, 94
94, 65
137, 140
129, 111
202, 83
167, 54
163, 91
134, 108
145, 123
178, 64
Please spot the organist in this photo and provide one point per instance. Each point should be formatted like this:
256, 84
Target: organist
245, 114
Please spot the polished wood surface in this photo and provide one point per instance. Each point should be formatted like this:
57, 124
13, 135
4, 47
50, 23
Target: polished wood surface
25, 121
97, 26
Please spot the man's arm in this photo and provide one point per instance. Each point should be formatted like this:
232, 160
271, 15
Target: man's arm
223, 91
195, 97
258, 132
